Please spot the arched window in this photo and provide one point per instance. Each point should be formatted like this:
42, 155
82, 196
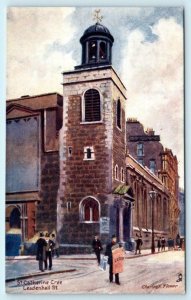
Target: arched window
119, 113
92, 51
122, 175
15, 221
116, 172
89, 210
102, 51
92, 106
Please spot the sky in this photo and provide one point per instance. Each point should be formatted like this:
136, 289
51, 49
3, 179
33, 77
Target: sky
147, 55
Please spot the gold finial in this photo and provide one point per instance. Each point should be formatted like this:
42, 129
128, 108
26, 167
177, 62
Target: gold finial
97, 17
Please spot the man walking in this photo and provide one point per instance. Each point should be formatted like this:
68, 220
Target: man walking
49, 248
97, 247
139, 243
55, 249
41, 251
108, 252
159, 244
163, 244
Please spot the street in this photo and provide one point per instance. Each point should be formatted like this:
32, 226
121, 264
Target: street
152, 274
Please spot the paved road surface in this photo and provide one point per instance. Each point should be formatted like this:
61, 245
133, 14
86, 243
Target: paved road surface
150, 274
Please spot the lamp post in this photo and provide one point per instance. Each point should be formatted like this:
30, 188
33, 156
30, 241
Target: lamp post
152, 195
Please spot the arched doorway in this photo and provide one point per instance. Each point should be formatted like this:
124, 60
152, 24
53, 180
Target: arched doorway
13, 217
13, 230
126, 223
15, 221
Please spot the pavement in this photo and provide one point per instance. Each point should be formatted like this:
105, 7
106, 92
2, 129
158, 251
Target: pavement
23, 267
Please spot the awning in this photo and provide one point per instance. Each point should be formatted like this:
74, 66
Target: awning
121, 189
124, 190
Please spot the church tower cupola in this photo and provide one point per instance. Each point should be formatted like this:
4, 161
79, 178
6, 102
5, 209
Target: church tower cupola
96, 44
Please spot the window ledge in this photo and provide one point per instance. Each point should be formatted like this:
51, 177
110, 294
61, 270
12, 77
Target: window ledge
90, 222
120, 129
93, 122
89, 159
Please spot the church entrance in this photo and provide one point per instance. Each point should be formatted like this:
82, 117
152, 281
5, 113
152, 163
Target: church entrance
126, 223
13, 230
15, 221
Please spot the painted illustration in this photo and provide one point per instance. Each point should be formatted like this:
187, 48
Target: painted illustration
95, 150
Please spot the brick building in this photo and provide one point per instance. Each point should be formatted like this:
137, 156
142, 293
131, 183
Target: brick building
146, 148
142, 181
32, 170
170, 178
182, 213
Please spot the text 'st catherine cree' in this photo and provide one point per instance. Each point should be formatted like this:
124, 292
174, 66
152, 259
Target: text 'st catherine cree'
94, 165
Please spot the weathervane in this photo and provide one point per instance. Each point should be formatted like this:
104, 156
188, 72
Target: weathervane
97, 17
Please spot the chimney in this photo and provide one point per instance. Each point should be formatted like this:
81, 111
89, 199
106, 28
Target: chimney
150, 131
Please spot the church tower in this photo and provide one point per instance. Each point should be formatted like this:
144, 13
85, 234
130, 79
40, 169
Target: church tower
92, 147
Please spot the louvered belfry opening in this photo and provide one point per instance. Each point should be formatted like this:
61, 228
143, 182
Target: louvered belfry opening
92, 106
118, 113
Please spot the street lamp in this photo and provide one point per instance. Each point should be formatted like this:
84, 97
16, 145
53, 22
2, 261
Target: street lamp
152, 195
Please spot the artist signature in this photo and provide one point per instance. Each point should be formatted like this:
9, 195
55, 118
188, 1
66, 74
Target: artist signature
163, 285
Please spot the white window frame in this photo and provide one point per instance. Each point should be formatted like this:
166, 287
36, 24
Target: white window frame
92, 153
82, 212
116, 168
120, 128
83, 107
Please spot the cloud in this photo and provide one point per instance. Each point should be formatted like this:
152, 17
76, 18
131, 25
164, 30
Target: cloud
34, 62
153, 74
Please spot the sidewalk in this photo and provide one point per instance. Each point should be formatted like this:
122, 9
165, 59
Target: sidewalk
23, 267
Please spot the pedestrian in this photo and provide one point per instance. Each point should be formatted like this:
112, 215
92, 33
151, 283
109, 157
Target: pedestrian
163, 244
159, 244
139, 243
49, 248
97, 247
178, 241
41, 251
113, 244
55, 250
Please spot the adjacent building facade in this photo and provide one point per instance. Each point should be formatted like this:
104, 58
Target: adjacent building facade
182, 213
143, 181
32, 170
146, 148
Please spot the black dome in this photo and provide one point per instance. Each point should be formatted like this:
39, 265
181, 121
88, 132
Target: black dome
97, 29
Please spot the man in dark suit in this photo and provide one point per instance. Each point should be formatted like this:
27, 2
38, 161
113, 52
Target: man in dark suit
97, 247
139, 243
163, 244
112, 245
41, 251
49, 249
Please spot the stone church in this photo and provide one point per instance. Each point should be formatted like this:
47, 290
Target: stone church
84, 181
